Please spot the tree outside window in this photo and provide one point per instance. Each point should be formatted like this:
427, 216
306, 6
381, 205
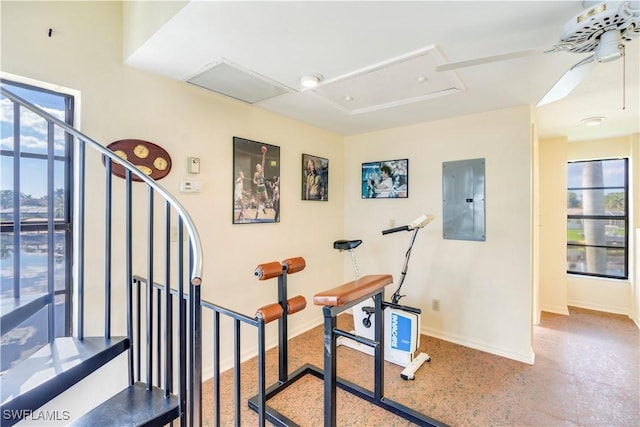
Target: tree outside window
597, 218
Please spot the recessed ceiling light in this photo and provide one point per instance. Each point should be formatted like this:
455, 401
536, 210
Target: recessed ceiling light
593, 121
310, 80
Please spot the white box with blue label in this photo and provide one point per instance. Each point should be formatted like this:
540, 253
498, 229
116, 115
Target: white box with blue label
402, 336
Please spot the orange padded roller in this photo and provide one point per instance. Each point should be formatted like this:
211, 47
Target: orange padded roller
270, 312
294, 264
268, 270
296, 304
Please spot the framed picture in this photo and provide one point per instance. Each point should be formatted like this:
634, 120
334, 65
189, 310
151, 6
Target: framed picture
256, 182
385, 179
315, 178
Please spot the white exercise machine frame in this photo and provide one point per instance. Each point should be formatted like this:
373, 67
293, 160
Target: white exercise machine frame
402, 323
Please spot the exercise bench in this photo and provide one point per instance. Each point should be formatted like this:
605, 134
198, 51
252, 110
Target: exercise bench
334, 302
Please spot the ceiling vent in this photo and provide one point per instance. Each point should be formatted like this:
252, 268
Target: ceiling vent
403, 80
232, 80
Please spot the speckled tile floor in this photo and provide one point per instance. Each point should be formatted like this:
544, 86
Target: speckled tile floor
586, 373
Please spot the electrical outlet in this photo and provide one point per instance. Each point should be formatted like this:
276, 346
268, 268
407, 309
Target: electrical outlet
435, 305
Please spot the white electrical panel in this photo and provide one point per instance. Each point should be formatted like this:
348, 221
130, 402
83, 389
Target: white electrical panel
463, 190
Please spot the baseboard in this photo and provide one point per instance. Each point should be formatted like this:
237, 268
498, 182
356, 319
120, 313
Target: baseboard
527, 358
599, 307
560, 309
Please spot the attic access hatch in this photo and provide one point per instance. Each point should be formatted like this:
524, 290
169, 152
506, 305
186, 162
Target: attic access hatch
402, 80
231, 80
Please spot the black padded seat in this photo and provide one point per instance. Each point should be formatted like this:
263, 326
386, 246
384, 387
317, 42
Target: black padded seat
345, 245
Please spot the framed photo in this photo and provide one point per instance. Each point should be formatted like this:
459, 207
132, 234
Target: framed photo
315, 178
385, 179
256, 182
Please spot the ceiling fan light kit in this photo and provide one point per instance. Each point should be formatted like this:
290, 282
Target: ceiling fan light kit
601, 30
610, 47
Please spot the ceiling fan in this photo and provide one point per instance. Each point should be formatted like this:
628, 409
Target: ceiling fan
602, 28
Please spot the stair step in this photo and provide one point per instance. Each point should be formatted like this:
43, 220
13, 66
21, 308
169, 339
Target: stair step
133, 406
14, 311
53, 369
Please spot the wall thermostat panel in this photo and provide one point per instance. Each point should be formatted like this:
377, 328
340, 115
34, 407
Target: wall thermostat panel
190, 186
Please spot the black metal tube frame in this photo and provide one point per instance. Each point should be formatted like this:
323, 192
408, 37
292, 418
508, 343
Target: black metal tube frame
328, 374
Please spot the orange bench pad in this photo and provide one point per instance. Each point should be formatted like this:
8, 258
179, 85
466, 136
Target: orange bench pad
344, 294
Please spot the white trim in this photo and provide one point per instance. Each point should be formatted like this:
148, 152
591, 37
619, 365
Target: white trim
561, 309
613, 309
50, 86
528, 358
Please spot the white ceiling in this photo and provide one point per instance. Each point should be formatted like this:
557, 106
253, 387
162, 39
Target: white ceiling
281, 41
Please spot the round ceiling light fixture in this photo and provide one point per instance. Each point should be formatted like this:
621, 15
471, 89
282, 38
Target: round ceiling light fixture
310, 80
593, 121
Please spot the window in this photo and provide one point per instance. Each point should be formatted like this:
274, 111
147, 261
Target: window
35, 198
598, 218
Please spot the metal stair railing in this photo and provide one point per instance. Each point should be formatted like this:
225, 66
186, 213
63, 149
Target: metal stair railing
218, 314
189, 340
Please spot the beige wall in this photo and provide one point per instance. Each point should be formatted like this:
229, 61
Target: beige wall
143, 18
484, 288
85, 53
553, 226
635, 165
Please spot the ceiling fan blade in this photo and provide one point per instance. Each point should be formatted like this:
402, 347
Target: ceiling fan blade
569, 81
488, 59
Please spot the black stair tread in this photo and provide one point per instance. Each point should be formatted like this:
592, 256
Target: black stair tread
14, 311
133, 406
56, 367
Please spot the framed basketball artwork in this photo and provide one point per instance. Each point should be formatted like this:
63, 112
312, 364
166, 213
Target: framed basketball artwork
256, 182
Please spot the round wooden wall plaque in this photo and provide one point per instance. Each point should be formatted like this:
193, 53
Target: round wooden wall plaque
150, 158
